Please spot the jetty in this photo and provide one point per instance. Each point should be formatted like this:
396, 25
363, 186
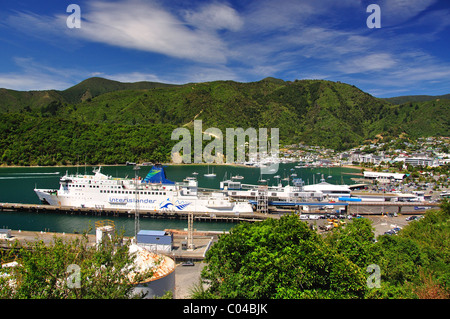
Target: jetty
166, 214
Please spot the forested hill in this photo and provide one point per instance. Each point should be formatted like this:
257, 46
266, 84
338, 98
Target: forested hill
415, 98
104, 121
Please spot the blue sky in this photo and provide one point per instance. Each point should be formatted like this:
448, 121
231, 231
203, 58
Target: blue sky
242, 40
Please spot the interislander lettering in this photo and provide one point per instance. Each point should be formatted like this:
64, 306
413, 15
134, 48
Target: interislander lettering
131, 200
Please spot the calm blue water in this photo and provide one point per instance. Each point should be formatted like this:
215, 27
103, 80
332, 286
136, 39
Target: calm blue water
17, 184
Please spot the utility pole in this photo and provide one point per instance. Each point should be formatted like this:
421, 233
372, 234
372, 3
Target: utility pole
190, 241
136, 198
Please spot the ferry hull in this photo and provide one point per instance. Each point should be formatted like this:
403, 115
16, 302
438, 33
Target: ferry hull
159, 203
154, 193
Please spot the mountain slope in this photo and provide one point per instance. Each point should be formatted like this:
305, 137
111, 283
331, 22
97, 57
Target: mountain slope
96, 86
315, 112
16, 101
319, 112
415, 98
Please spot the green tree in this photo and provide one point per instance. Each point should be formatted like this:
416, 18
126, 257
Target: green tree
355, 241
71, 269
279, 259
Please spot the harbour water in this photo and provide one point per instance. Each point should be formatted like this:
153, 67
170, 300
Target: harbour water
17, 184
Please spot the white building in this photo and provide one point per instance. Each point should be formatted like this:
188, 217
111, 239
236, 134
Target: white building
328, 190
416, 161
384, 177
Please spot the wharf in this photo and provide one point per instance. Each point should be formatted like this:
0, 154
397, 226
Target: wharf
101, 211
384, 206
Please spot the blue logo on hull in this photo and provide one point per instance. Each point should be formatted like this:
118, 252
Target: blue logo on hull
180, 205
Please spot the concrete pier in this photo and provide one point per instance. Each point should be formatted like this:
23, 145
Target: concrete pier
101, 211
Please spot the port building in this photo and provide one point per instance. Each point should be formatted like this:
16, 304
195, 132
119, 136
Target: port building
155, 240
384, 177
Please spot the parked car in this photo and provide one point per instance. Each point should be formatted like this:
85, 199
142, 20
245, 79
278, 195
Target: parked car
392, 214
187, 263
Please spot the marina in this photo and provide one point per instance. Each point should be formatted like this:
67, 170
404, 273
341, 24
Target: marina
20, 208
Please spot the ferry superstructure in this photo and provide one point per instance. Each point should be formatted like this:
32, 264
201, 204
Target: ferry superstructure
153, 193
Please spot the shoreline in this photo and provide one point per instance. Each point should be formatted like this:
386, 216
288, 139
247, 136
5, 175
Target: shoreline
357, 167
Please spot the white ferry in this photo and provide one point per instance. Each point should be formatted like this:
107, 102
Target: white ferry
153, 193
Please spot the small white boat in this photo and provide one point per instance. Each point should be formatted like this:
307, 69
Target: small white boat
210, 174
237, 177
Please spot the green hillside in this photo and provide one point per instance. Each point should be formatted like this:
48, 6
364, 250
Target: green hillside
96, 86
417, 119
16, 101
415, 98
107, 121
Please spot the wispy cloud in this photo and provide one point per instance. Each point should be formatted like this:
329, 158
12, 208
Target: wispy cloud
148, 26
247, 41
397, 12
32, 75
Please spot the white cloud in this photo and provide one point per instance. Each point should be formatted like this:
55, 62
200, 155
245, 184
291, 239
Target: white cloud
32, 75
140, 25
264, 38
214, 16
147, 26
368, 63
395, 12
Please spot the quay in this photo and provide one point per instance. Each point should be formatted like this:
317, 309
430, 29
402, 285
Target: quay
276, 209
355, 206
166, 214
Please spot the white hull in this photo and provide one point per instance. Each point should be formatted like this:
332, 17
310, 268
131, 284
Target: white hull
101, 191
